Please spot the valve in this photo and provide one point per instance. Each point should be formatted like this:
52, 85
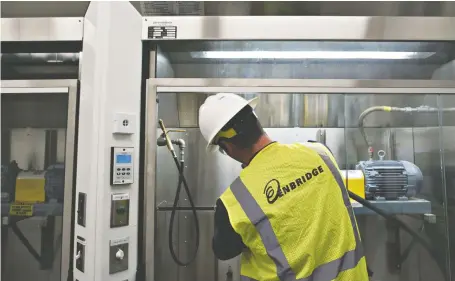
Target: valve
120, 254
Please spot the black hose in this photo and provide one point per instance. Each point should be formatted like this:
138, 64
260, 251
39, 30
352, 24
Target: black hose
180, 167
401, 224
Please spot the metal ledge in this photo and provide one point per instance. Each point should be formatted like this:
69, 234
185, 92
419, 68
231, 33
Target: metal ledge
410, 207
341, 86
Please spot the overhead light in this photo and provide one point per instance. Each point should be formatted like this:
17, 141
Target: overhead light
321, 55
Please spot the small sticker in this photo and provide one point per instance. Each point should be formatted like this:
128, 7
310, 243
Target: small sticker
119, 241
162, 32
21, 210
120, 196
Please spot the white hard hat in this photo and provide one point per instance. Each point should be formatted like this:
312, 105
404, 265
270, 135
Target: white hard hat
217, 111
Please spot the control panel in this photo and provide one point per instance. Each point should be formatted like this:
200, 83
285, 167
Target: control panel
118, 255
122, 167
120, 209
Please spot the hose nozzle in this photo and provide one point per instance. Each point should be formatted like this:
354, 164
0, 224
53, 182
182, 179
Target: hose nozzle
166, 137
165, 140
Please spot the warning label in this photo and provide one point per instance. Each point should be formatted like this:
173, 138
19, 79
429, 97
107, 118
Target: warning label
21, 210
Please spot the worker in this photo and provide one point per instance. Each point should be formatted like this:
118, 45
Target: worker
288, 213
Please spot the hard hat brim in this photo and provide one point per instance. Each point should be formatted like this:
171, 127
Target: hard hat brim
212, 148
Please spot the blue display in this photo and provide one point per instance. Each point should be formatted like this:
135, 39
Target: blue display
123, 158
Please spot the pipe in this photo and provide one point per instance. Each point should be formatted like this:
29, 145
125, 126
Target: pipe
40, 58
420, 109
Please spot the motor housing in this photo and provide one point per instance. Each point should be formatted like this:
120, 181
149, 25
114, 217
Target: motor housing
390, 179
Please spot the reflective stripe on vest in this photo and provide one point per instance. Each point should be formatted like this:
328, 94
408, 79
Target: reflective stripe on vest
324, 272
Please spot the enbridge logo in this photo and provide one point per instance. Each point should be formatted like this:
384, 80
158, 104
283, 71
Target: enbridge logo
273, 190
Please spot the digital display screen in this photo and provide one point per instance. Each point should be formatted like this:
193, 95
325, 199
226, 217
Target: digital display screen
123, 158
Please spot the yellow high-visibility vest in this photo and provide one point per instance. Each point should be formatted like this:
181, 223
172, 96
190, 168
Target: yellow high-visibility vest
292, 210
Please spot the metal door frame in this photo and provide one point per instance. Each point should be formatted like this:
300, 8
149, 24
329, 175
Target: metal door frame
270, 86
68, 87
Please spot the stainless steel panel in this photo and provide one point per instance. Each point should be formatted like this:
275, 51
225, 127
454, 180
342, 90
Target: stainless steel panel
15, 9
311, 110
205, 265
311, 8
165, 268
305, 69
289, 28
306, 59
273, 110
42, 29
356, 149
229, 266
160, 8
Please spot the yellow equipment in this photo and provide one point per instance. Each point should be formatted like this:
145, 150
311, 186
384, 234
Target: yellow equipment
30, 187
355, 181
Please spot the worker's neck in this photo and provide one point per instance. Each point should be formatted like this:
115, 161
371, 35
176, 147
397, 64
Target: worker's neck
263, 141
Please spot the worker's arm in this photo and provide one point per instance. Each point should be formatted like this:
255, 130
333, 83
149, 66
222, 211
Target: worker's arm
226, 243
